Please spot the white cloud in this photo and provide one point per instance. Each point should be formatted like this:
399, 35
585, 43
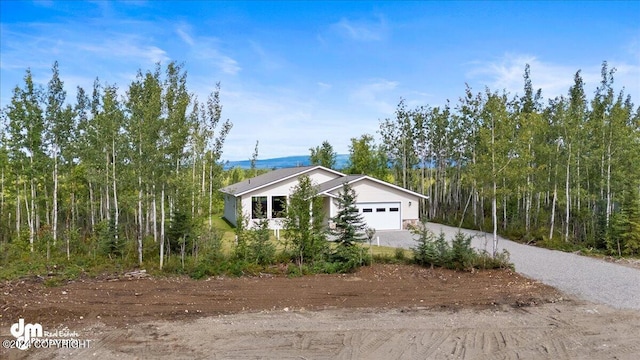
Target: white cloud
287, 122
554, 79
267, 59
228, 65
184, 35
376, 94
362, 30
206, 49
127, 47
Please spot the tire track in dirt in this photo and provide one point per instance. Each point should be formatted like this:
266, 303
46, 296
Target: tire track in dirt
553, 331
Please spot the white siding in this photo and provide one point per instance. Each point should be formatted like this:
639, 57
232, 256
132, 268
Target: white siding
230, 210
282, 188
372, 192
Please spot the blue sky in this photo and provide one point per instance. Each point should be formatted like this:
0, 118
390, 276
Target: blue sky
296, 73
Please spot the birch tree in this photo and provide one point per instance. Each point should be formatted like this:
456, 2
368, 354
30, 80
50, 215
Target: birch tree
26, 148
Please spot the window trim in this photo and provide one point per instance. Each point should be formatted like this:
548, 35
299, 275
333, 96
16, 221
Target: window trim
284, 202
265, 203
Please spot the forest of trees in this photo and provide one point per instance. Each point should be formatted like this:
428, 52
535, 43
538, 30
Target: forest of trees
566, 172
142, 166
111, 165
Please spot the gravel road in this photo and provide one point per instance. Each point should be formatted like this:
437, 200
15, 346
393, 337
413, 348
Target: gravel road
587, 278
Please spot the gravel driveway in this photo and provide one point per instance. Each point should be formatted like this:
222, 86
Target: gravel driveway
587, 278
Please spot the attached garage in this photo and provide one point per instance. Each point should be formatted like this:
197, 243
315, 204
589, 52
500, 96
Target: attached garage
383, 206
381, 215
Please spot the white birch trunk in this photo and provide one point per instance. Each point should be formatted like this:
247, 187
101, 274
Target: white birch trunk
115, 190
209, 215
106, 187
527, 206
92, 207
504, 206
155, 215
101, 207
31, 214
74, 209
553, 209
18, 213
494, 214
567, 194
55, 195
202, 186
608, 212
162, 220
193, 190
494, 205
555, 196
578, 181
140, 220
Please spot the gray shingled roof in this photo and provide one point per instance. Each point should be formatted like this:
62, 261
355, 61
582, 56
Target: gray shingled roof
265, 179
332, 184
337, 182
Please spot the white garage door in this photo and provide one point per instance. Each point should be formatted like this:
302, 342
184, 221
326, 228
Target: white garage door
381, 216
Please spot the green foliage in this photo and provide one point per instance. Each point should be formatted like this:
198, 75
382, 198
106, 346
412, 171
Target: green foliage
261, 248
349, 258
349, 226
304, 223
462, 254
484, 260
557, 243
212, 244
399, 255
424, 253
180, 232
367, 158
323, 155
107, 237
242, 237
436, 251
630, 224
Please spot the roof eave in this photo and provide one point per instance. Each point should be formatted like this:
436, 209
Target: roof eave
327, 192
287, 178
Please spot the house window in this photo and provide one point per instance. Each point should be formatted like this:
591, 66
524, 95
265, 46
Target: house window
381, 209
393, 209
278, 206
367, 210
258, 207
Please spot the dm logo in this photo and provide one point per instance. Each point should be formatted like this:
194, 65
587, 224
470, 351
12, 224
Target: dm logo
23, 333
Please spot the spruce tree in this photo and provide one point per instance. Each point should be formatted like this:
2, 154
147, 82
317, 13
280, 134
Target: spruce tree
349, 224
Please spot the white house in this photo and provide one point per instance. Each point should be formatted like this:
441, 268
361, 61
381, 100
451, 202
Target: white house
384, 206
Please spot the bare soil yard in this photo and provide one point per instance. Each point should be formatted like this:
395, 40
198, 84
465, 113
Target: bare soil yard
382, 311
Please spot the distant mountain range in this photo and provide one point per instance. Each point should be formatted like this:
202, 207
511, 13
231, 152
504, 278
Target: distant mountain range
284, 162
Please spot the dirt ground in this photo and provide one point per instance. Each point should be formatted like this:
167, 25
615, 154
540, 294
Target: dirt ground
383, 311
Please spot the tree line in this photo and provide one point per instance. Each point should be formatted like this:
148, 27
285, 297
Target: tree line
122, 169
112, 165
565, 172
